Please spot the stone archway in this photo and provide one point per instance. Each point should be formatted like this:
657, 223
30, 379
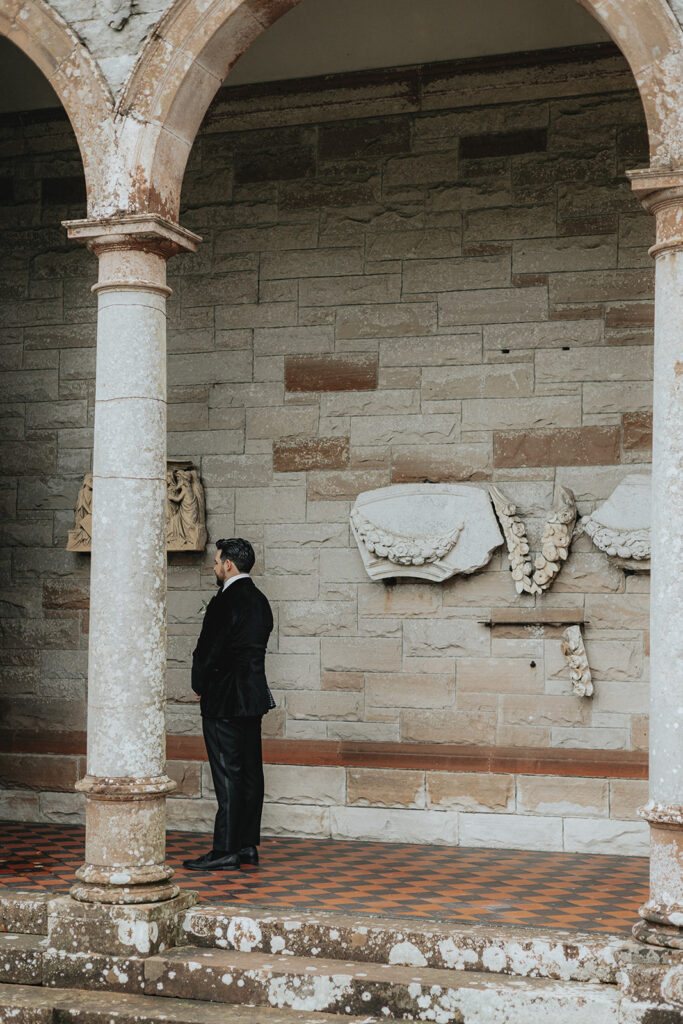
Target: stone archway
39, 32
186, 60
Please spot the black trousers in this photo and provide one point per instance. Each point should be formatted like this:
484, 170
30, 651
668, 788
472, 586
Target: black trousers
234, 749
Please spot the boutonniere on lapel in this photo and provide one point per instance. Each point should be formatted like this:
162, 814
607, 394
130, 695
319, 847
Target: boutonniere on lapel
205, 605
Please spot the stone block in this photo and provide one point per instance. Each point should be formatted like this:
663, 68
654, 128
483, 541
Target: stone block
256, 505
342, 681
511, 380
481, 589
394, 690
614, 660
592, 738
612, 398
266, 239
387, 401
324, 705
289, 421
385, 787
293, 263
471, 791
374, 824
456, 274
318, 618
427, 169
455, 463
446, 638
626, 796
579, 446
637, 431
291, 456
302, 784
448, 727
509, 414
434, 243
594, 364
510, 222
299, 821
23, 912
415, 429
588, 573
21, 962
554, 334
331, 373
358, 654
187, 777
63, 808
545, 255
386, 320
493, 306
209, 367
591, 835
562, 796
405, 599
618, 611
499, 675
191, 814
547, 710
511, 831
292, 671
602, 286
379, 136
347, 290
339, 565
455, 350
257, 316
36, 771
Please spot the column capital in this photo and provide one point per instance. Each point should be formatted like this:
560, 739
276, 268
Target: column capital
661, 193
133, 250
143, 231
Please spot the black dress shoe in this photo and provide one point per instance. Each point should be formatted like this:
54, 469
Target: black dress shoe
248, 855
214, 861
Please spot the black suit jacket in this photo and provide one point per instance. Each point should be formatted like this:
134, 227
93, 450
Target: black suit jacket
228, 663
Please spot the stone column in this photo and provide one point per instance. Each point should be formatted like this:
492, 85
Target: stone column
126, 783
662, 924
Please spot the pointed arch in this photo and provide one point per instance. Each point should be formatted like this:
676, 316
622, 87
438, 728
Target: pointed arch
46, 39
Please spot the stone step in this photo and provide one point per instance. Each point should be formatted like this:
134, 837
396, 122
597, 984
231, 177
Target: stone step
525, 952
23, 910
22, 1005
380, 990
21, 959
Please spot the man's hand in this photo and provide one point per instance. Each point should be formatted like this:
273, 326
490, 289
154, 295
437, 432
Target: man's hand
197, 696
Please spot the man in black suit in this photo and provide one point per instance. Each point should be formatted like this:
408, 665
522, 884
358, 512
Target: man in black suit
228, 675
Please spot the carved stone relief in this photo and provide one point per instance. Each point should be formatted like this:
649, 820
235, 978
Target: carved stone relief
621, 525
185, 511
555, 542
430, 531
575, 654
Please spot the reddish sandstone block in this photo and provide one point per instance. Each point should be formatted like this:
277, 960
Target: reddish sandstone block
62, 595
637, 430
567, 446
39, 771
331, 373
310, 453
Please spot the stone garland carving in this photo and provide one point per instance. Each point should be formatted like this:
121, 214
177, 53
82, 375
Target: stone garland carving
185, 511
557, 537
621, 525
400, 549
428, 531
575, 654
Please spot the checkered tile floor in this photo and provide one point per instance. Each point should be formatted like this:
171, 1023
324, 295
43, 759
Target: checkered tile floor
512, 887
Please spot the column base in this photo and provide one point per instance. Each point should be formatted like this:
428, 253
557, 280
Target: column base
130, 931
662, 915
125, 842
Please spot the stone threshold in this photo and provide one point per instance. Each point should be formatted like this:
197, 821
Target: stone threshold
560, 761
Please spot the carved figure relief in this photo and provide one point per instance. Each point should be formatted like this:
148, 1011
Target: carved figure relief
555, 542
79, 538
431, 531
185, 508
185, 511
621, 525
575, 654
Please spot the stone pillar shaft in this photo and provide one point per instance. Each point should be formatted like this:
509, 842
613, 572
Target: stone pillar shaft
126, 783
662, 915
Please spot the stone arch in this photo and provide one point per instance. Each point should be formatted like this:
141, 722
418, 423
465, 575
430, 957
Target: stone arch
39, 32
196, 43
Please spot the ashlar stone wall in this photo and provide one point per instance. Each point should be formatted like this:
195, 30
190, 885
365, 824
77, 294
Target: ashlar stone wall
435, 274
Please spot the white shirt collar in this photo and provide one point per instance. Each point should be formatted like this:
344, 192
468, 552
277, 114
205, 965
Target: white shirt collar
240, 576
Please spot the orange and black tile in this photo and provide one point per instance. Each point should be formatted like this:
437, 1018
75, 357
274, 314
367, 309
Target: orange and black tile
512, 887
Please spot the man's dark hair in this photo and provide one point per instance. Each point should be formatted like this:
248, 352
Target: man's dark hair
238, 551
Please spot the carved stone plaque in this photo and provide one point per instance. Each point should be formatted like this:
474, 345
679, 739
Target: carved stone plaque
185, 511
431, 531
621, 525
